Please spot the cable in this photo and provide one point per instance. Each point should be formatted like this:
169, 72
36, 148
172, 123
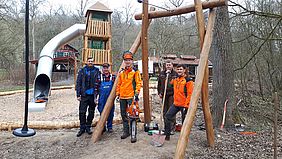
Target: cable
141, 1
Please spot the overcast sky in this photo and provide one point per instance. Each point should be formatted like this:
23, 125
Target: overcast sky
112, 4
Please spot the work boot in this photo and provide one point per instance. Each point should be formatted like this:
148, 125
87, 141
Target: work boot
167, 137
133, 140
104, 130
110, 130
88, 131
124, 135
80, 132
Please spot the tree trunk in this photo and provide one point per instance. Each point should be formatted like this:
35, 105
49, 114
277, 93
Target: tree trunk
223, 66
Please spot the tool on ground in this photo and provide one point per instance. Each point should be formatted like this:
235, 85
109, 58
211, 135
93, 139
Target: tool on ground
224, 114
151, 126
158, 139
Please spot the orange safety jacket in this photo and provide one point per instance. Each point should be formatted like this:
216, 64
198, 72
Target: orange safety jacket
182, 89
127, 80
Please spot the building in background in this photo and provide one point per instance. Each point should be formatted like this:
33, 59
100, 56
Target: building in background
65, 61
156, 65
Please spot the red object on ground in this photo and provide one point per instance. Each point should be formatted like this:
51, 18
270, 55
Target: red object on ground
247, 133
224, 114
178, 127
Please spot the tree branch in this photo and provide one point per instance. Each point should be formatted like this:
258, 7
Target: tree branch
268, 37
253, 35
249, 12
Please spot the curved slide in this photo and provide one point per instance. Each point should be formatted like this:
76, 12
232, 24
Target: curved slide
42, 82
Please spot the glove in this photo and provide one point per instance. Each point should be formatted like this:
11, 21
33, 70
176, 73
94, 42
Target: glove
96, 99
167, 71
136, 98
117, 98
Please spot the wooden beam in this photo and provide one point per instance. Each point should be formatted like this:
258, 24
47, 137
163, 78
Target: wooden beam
49, 124
205, 86
188, 122
145, 74
109, 104
183, 10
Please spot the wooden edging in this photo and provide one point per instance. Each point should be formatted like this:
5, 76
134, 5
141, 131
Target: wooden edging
48, 124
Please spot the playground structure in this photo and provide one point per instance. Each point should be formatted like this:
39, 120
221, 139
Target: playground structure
97, 44
42, 81
201, 82
98, 35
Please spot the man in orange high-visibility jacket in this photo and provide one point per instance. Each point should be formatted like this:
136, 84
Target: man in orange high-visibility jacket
182, 89
128, 87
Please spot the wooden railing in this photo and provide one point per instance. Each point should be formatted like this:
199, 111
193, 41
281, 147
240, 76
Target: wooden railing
98, 28
100, 56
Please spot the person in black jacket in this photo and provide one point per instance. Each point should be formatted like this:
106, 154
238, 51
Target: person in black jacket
169, 91
87, 86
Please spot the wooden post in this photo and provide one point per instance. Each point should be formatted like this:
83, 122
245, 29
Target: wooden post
188, 122
145, 74
108, 106
85, 50
276, 106
205, 86
75, 71
183, 10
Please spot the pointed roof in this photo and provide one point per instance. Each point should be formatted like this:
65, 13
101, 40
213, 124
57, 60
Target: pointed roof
99, 7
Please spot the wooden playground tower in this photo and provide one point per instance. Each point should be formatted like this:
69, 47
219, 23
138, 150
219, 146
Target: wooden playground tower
201, 81
98, 35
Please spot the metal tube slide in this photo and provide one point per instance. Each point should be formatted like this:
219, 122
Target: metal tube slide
42, 82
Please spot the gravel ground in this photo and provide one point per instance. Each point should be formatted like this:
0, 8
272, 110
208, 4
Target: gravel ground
63, 143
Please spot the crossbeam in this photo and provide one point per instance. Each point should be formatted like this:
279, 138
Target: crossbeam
182, 10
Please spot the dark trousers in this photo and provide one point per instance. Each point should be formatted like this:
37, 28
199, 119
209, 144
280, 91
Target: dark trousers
167, 104
86, 102
170, 115
124, 103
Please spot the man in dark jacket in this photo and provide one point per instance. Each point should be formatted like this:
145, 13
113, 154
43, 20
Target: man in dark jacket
87, 85
169, 91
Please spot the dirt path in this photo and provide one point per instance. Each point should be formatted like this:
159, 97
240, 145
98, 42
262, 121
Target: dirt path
64, 144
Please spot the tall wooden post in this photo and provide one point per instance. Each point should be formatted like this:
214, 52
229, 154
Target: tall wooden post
205, 89
145, 74
188, 122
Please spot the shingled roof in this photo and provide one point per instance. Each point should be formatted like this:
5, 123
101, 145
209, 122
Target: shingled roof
183, 59
99, 7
